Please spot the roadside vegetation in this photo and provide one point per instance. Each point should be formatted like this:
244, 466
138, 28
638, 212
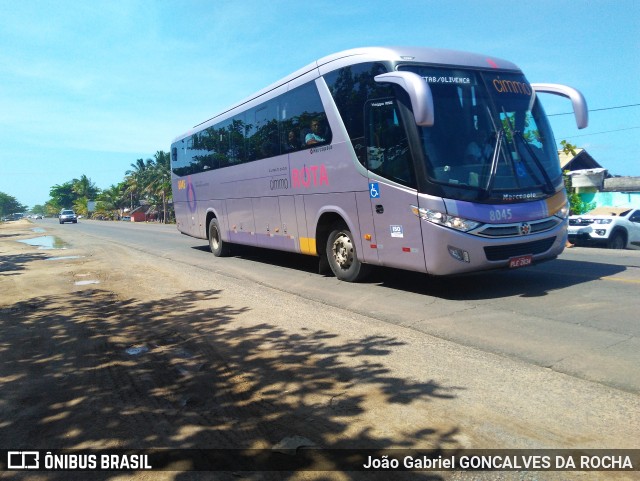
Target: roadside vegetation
147, 183
9, 205
577, 205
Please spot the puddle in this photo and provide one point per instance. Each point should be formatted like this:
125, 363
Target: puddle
38, 230
46, 242
86, 283
62, 258
136, 351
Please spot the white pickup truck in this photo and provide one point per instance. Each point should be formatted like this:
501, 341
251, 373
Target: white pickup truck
613, 227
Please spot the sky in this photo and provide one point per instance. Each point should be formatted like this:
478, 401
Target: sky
90, 87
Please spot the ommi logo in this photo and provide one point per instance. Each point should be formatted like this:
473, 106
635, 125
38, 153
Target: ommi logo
512, 87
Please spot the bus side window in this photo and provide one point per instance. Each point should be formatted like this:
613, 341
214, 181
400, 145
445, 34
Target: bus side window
302, 107
222, 140
351, 87
236, 140
262, 135
387, 146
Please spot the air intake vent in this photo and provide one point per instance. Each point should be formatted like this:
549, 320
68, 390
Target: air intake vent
504, 252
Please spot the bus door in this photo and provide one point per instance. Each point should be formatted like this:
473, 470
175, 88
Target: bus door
392, 188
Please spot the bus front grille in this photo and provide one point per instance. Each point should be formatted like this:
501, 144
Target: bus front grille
513, 230
504, 252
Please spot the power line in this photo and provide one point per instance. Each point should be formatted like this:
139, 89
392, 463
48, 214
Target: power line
598, 110
595, 133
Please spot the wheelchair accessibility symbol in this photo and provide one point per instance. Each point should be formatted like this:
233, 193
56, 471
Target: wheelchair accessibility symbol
374, 190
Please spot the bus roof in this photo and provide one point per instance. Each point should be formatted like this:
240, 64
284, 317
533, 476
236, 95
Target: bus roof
435, 56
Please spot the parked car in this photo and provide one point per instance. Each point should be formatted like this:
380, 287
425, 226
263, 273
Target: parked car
67, 215
612, 227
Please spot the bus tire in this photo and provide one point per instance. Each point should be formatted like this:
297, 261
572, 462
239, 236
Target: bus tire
342, 255
216, 244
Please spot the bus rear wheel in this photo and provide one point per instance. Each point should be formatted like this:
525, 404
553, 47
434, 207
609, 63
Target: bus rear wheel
216, 244
342, 255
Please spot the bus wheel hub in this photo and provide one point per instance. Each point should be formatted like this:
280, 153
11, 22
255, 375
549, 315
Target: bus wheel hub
343, 251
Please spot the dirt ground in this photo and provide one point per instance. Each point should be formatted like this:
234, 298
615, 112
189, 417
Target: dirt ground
102, 347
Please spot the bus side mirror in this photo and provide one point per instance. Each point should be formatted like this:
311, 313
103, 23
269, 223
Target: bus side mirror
578, 101
419, 94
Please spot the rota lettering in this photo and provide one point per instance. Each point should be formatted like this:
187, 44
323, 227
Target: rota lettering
312, 176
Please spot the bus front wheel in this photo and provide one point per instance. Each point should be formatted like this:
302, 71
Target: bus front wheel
217, 246
342, 255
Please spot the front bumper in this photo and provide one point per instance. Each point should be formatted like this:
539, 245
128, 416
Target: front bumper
487, 253
588, 235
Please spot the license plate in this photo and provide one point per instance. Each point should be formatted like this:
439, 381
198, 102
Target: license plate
520, 261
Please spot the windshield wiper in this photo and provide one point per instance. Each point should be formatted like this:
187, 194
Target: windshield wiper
488, 188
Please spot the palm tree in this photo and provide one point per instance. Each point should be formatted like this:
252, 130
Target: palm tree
83, 187
151, 180
84, 190
111, 201
160, 180
137, 179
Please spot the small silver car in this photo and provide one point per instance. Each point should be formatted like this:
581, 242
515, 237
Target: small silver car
67, 215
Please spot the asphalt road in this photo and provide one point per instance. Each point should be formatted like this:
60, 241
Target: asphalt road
576, 315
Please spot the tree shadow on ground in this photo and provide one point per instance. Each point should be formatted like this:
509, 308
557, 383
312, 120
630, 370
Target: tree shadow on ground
91, 370
11, 264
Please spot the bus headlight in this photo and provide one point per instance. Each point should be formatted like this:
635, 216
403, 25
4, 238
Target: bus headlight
563, 213
440, 218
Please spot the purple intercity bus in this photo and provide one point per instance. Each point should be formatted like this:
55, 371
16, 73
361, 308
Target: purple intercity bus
429, 160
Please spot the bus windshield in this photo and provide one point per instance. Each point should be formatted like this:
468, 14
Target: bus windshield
490, 140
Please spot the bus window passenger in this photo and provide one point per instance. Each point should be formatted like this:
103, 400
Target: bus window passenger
313, 137
291, 144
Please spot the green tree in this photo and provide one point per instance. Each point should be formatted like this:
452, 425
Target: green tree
73, 194
576, 205
9, 205
62, 196
150, 180
568, 148
137, 179
159, 181
83, 187
84, 190
112, 201
39, 209
51, 208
